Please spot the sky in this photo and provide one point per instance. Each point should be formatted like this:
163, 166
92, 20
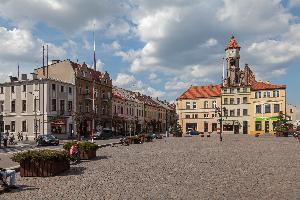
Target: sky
157, 47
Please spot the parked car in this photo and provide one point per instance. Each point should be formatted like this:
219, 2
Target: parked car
103, 134
193, 132
44, 140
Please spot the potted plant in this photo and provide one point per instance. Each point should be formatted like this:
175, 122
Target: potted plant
87, 149
42, 163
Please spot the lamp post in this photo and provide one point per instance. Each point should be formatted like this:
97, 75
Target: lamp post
35, 115
220, 111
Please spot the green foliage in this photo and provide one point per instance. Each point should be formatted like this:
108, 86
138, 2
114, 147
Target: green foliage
83, 145
177, 130
282, 124
45, 154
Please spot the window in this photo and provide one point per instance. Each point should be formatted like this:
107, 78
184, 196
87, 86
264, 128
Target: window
245, 100
231, 91
258, 126
188, 105
238, 90
231, 101
245, 112
194, 105
70, 90
1, 106
244, 89
225, 90
268, 94
213, 115
23, 105
62, 105
258, 108
205, 104
256, 95
24, 88
267, 108
291, 110
259, 94
276, 108
277, 92
62, 88
12, 89
1, 90
196, 116
13, 106
80, 89
53, 105
205, 115
87, 89
265, 94
70, 106
80, 108
53, 87
121, 109
87, 108
238, 101
12, 126
231, 113
225, 101
24, 129
214, 104
238, 112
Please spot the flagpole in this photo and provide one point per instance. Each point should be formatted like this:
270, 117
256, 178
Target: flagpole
93, 120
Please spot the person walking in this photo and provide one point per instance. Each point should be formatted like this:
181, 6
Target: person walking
5, 138
5, 173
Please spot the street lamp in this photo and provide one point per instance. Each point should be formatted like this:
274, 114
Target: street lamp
35, 116
220, 112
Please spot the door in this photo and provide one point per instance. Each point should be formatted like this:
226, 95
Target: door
267, 127
245, 127
236, 129
214, 127
205, 127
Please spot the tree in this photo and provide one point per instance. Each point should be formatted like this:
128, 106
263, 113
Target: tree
282, 126
177, 130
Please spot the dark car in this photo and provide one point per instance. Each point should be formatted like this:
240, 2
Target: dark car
193, 132
103, 134
44, 140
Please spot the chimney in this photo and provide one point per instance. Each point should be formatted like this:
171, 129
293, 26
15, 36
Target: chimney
55, 61
24, 77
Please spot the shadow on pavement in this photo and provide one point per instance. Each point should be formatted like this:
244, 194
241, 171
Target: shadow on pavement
20, 188
101, 157
74, 170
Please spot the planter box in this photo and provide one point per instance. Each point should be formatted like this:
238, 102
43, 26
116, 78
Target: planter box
41, 168
87, 155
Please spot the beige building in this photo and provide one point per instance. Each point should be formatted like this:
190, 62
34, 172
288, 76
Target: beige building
37, 106
93, 93
196, 108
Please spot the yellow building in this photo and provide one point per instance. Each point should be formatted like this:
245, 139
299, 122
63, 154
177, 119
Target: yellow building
196, 108
267, 101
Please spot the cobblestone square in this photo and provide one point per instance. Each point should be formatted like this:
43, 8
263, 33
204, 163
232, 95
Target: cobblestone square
240, 167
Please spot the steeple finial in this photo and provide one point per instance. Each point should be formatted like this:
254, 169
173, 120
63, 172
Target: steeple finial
94, 48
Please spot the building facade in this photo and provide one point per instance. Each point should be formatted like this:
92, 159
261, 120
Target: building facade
246, 105
93, 108
37, 106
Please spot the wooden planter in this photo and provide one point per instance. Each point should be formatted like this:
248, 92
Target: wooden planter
41, 168
87, 155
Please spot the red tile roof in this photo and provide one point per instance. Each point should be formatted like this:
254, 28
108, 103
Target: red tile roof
265, 86
232, 44
201, 92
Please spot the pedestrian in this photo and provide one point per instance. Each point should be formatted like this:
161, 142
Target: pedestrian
5, 138
21, 135
74, 151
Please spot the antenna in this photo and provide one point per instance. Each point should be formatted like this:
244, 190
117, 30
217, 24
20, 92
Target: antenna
47, 62
94, 48
43, 60
18, 71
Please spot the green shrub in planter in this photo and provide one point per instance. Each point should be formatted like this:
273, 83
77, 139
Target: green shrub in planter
83, 146
45, 154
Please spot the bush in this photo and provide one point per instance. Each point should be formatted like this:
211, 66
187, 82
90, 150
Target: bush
45, 154
83, 146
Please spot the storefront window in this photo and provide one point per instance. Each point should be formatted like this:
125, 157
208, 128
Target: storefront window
258, 126
228, 128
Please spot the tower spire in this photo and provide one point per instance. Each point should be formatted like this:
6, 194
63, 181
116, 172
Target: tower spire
94, 48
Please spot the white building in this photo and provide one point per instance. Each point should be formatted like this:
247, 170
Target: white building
37, 106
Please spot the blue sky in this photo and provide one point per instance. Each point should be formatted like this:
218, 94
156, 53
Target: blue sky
157, 47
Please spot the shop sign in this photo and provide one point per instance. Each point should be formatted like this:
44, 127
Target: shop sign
266, 119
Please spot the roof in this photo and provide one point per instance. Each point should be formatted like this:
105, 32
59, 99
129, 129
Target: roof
232, 44
201, 92
265, 86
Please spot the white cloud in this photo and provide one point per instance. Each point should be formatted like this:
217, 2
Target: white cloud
130, 82
211, 42
100, 65
176, 85
294, 3
118, 28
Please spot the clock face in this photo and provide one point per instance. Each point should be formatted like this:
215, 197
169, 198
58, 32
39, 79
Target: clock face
232, 52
